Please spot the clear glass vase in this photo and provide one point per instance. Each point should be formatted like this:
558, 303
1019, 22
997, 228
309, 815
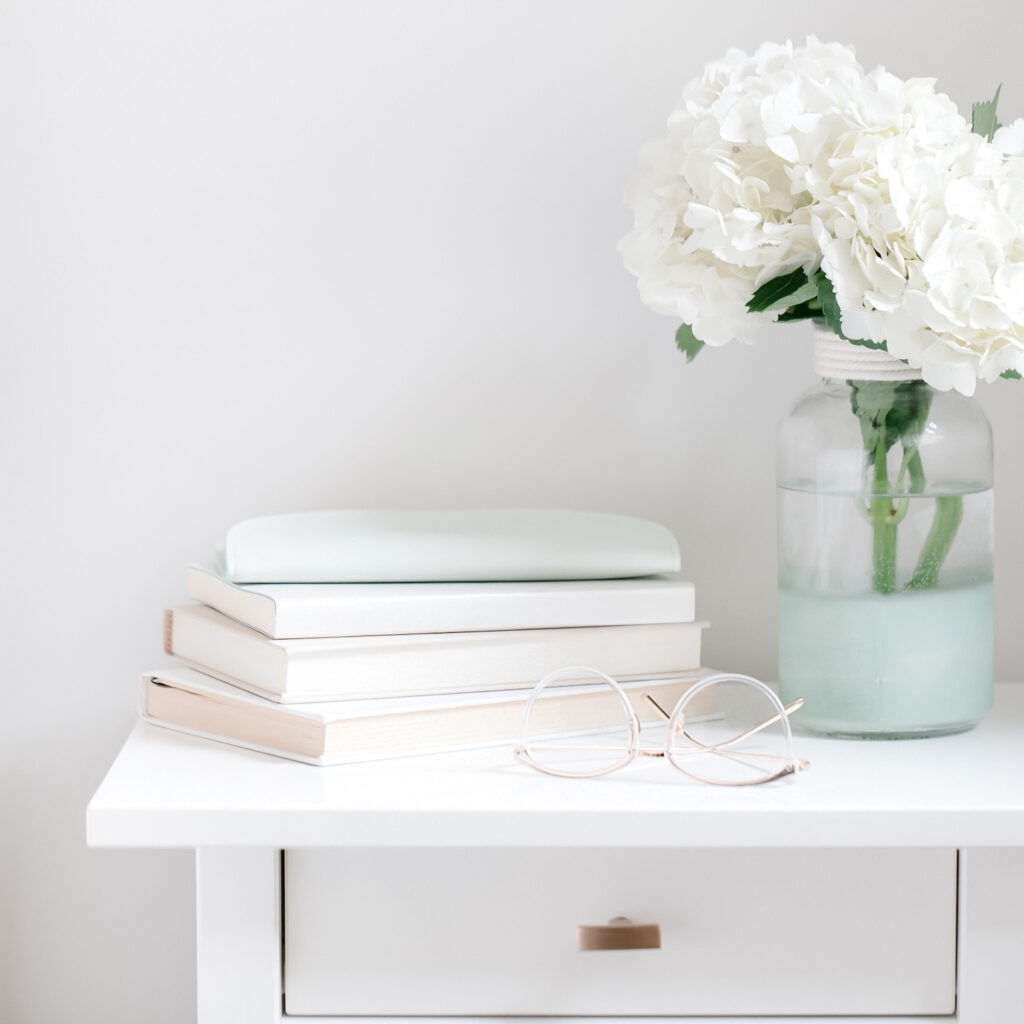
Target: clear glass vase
885, 553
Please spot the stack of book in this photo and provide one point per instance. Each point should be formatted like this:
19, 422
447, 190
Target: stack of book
339, 672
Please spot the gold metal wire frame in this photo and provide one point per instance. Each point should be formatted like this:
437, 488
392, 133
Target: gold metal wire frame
780, 765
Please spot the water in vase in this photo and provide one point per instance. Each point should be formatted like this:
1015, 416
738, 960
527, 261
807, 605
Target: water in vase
912, 661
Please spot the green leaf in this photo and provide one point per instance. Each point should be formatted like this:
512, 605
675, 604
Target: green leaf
803, 294
803, 311
1010, 374
829, 304
831, 312
871, 401
891, 412
772, 293
909, 414
687, 342
983, 116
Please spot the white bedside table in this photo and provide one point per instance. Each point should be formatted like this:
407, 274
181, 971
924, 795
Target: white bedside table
886, 883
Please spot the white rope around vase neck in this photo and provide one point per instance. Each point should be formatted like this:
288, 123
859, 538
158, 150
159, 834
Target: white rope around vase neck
842, 360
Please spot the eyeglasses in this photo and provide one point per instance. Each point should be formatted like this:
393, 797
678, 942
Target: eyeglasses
725, 729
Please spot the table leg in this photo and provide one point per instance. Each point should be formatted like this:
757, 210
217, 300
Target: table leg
238, 935
991, 943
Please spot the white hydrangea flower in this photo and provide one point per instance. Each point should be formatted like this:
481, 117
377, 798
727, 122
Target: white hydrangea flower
922, 245
1009, 139
877, 192
719, 208
794, 157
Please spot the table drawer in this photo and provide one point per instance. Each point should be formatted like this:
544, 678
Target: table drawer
495, 931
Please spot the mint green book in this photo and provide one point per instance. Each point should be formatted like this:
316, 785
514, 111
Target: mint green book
401, 546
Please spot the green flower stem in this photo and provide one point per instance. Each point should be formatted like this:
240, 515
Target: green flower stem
883, 521
912, 461
949, 511
892, 413
885, 546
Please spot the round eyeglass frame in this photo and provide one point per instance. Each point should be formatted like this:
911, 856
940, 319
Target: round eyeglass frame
787, 763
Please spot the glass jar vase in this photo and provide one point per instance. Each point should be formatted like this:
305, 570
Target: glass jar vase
885, 551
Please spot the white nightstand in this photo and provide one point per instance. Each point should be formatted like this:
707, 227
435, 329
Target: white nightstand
886, 883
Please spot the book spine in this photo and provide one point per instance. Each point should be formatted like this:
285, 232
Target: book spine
387, 616
348, 668
298, 611
203, 707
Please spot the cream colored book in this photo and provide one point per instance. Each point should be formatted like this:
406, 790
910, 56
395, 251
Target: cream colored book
346, 732
340, 668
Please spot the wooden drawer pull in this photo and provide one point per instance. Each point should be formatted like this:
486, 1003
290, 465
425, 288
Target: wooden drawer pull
618, 933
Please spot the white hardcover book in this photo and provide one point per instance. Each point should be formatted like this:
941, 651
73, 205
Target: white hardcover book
340, 668
297, 610
347, 732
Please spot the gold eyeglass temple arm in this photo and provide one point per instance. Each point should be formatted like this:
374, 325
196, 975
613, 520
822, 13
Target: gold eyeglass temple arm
661, 711
792, 706
787, 710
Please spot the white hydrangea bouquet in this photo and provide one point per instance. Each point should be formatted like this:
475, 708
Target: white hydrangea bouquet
792, 185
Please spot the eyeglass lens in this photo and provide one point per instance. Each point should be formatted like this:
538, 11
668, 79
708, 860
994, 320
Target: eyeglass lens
745, 739
577, 723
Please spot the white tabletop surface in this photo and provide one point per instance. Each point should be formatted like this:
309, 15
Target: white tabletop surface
170, 790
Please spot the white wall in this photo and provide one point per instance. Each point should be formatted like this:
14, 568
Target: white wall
264, 256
